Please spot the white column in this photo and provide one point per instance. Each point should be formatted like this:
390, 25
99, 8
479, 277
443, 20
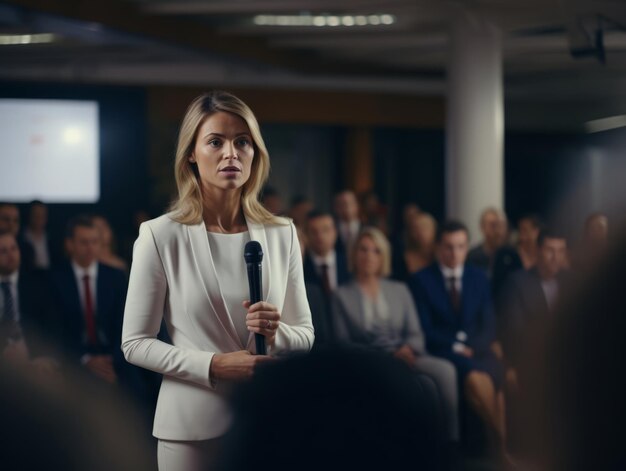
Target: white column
474, 122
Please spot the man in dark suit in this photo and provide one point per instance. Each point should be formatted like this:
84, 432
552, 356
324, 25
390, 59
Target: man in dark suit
91, 297
28, 319
455, 308
324, 267
531, 295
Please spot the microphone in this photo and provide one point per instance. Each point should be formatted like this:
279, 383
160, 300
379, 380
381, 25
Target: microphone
253, 255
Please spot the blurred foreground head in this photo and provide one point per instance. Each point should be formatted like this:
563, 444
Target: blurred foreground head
334, 409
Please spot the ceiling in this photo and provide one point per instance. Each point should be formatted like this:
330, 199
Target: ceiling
565, 55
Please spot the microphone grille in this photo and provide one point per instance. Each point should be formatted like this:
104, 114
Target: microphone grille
253, 253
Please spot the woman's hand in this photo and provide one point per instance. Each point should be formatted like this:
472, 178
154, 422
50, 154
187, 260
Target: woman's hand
406, 354
235, 366
263, 318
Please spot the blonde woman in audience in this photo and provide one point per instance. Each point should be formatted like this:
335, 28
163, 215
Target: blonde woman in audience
379, 313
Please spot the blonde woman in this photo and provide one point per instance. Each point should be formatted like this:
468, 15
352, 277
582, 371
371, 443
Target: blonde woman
188, 268
379, 313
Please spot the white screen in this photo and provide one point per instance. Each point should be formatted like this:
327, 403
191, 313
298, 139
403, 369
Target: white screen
49, 150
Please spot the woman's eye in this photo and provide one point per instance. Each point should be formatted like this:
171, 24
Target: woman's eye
243, 142
214, 142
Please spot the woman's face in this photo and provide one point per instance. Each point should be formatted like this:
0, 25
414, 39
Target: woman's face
422, 231
368, 259
223, 152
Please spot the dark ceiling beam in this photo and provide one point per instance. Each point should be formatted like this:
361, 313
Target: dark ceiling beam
127, 17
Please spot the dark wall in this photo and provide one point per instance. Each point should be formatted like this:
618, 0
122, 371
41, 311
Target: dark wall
124, 182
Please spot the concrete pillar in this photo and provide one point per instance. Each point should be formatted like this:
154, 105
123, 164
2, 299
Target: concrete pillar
474, 121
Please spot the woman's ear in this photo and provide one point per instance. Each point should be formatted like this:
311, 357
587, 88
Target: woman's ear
191, 159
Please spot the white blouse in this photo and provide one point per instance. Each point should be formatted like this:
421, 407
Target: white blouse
227, 251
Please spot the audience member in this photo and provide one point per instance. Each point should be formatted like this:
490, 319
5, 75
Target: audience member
106, 251
300, 207
417, 249
531, 296
335, 409
495, 230
324, 266
378, 313
373, 212
44, 247
347, 218
454, 303
510, 259
91, 297
272, 201
28, 320
10, 222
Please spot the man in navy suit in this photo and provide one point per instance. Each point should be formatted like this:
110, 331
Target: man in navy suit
324, 267
91, 297
455, 308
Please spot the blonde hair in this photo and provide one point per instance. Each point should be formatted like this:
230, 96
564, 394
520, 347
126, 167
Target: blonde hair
381, 243
188, 207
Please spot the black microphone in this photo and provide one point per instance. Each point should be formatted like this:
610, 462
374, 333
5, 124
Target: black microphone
253, 255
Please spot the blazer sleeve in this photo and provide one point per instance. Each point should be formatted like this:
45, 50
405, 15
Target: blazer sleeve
486, 333
145, 303
413, 334
295, 331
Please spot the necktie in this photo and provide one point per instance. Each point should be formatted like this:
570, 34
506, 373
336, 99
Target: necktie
325, 279
90, 318
455, 298
9, 320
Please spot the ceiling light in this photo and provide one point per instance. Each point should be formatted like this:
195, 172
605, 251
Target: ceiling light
605, 124
324, 20
17, 39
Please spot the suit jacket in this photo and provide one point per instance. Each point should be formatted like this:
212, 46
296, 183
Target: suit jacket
110, 299
439, 320
403, 319
173, 276
39, 313
311, 275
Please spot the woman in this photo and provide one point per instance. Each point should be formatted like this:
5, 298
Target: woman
416, 250
379, 313
188, 268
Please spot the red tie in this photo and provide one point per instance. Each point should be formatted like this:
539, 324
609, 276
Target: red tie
90, 318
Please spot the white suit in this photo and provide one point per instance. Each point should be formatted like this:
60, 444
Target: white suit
173, 277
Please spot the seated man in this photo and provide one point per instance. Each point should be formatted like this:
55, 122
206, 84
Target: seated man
454, 303
27, 315
531, 295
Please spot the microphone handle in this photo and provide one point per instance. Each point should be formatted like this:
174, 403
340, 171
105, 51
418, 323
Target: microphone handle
254, 283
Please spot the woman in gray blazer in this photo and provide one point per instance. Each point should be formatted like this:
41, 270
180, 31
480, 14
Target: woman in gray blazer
188, 268
379, 313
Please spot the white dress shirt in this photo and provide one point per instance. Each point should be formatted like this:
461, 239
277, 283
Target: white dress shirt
348, 231
40, 247
331, 261
551, 292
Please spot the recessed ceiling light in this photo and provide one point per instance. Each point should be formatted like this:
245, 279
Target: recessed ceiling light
20, 39
605, 124
324, 20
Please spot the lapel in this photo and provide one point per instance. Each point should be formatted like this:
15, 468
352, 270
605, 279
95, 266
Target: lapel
466, 297
73, 296
207, 271
538, 302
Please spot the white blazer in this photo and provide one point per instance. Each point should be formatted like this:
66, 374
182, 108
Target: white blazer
173, 277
